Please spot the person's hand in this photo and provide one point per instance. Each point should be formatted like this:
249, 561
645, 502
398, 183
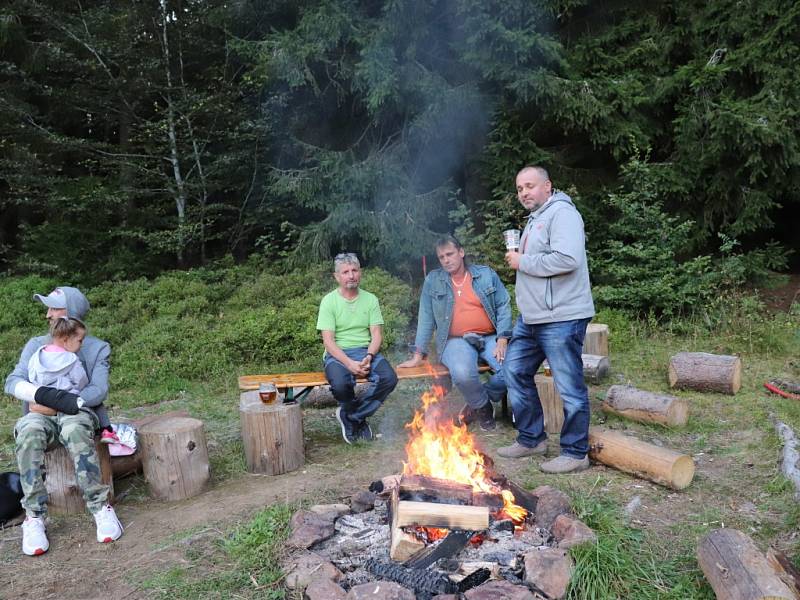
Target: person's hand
414, 361
512, 259
42, 410
366, 362
500, 349
356, 368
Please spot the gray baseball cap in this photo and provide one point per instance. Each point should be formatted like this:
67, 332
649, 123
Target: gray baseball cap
69, 298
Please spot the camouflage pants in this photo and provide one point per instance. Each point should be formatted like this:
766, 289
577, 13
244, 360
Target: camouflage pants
34, 433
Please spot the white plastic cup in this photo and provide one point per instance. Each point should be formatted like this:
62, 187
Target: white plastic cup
511, 238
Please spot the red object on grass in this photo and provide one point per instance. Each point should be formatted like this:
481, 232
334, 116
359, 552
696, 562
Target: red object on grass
776, 390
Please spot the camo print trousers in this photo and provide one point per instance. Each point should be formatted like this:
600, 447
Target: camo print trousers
34, 433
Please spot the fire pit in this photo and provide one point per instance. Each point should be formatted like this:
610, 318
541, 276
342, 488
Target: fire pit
450, 523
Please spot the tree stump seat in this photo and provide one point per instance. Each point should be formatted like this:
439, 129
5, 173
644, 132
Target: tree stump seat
64, 494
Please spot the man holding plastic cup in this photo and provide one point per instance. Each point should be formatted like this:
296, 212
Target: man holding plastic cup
555, 303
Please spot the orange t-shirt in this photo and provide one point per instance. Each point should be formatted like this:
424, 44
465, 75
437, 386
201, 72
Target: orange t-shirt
468, 312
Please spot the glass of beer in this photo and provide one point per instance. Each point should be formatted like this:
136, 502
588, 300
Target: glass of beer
511, 238
268, 392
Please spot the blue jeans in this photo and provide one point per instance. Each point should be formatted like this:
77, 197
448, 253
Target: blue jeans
561, 343
382, 380
461, 359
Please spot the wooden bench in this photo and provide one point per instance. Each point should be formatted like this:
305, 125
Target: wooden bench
286, 382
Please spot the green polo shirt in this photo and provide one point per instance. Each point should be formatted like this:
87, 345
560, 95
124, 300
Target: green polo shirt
350, 320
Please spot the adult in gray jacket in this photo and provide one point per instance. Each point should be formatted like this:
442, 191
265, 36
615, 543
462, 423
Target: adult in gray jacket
51, 416
555, 303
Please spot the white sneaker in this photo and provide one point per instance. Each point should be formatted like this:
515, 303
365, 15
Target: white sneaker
34, 538
108, 526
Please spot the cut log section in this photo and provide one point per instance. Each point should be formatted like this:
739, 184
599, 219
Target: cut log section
272, 435
123, 466
431, 514
783, 567
175, 457
737, 570
420, 488
596, 341
705, 372
552, 406
595, 367
659, 465
64, 494
403, 545
639, 405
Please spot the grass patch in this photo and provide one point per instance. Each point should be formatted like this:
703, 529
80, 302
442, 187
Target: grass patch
244, 564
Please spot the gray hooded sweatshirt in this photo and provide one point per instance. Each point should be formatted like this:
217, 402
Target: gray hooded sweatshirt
553, 276
94, 356
61, 370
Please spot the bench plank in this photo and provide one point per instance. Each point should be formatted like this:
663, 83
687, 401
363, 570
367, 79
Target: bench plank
287, 380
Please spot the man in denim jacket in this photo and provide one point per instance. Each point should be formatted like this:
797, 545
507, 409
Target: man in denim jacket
470, 310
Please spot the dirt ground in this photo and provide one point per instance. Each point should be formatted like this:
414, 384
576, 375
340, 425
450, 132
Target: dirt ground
150, 541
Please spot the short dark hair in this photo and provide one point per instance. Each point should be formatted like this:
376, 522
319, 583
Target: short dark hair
66, 327
446, 240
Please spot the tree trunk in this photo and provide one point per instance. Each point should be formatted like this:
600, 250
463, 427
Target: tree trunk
596, 341
737, 570
659, 465
705, 372
272, 435
647, 407
175, 457
64, 495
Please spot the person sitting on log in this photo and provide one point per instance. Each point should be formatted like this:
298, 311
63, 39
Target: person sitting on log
469, 309
351, 324
51, 415
555, 304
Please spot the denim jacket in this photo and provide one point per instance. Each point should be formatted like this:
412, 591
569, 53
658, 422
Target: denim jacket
436, 305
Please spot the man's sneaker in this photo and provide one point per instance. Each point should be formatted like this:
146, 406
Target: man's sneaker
364, 432
485, 416
517, 450
108, 526
109, 437
466, 415
565, 464
347, 430
34, 538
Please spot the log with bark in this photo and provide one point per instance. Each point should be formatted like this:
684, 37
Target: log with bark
595, 367
790, 463
123, 466
737, 570
705, 372
552, 406
647, 407
64, 493
272, 435
659, 465
420, 488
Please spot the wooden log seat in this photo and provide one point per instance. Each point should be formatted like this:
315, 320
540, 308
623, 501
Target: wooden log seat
175, 457
272, 435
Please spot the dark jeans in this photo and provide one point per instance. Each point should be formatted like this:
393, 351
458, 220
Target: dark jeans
382, 380
561, 343
461, 359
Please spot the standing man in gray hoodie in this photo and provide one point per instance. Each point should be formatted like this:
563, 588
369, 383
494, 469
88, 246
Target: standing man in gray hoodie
555, 303
51, 416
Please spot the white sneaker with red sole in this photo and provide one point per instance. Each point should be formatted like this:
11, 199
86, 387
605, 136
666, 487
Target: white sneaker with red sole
34, 536
108, 526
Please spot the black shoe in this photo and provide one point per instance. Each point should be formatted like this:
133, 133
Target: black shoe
347, 430
466, 415
485, 416
364, 432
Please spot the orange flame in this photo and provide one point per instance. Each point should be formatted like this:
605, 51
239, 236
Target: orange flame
437, 447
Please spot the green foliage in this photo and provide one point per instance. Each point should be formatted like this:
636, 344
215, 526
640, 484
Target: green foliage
205, 324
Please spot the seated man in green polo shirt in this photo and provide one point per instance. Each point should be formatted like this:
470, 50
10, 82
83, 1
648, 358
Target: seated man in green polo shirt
352, 332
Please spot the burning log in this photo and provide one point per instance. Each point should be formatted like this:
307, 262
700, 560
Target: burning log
705, 372
660, 465
403, 545
737, 570
431, 489
451, 516
639, 405
419, 580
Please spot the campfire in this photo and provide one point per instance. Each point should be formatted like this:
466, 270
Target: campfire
450, 522
441, 455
